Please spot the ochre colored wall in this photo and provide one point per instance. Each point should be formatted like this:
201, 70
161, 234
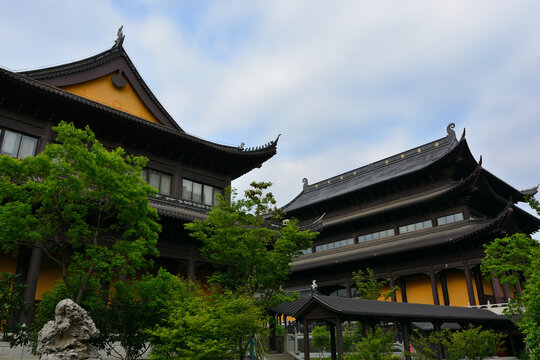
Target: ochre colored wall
457, 288
49, 273
488, 290
102, 90
8, 264
419, 290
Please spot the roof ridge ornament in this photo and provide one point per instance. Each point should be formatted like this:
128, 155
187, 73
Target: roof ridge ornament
306, 185
451, 133
119, 37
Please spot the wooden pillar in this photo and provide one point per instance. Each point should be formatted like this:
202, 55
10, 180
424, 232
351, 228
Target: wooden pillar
406, 345
497, 290
403, 288
444, 287
191, 269
512, 343
365, 328
392, 284
306, 340
434, 289
440, 353
339, 336
506, 292
31, 284
333, 341
468, 282
479, 287
349, 290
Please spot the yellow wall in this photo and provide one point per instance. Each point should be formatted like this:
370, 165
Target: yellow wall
8, 264
457, 288
102, 90
49, 273
418, 290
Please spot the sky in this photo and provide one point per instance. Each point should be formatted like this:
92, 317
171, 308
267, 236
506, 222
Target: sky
345, 83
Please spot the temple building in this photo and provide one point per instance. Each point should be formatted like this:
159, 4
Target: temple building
419, 218
107, 93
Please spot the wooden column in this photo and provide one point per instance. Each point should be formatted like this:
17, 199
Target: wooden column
468, 282
31, 284
402, 286
339, 336
333, 341
497, 290
506, 292
392, 284
444, 287
406, 345
479, 287
440, 353
306, 340
434, 289
349, 290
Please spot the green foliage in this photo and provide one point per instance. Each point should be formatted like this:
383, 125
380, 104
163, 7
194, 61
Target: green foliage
473, 344
369, 288
207, 327
377, 345
137, 307
321, 338
85, 206
11, 305
514, 258
426, 346
509, 257
249, 250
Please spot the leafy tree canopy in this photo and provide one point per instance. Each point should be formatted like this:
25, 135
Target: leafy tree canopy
516, 259
85, 206
368, 287
248, 245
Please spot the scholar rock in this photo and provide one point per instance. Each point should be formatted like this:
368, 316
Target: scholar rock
68, 336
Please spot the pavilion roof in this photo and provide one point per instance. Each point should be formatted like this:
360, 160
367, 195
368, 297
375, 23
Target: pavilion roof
357, 309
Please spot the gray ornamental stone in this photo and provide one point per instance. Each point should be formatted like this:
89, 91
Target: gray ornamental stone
68, 336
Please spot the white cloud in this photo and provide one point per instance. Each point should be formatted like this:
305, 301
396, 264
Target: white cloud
346, 83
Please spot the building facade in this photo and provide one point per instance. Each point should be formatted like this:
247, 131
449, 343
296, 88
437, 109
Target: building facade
107, 93
419, 218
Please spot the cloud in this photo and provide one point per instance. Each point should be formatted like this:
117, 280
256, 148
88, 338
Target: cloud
346, 83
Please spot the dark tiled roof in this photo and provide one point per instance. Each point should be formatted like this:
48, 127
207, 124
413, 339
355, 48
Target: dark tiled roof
178, 208
351, 308
9, 79
377, 172
435, 236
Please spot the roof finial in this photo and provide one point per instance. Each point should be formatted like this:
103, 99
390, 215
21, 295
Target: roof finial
241, 146
305, 181
451, 133
480, 161
119, 37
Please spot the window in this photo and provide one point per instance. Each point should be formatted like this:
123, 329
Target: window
334, 245
199, 193
450, 218
307, 251
415, 227
158, 180
17, 145
376, 235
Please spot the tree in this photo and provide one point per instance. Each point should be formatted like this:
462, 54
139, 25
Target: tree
367, 286
248, 245
321, 338
84, 206
11, 304
513, 259
208, 326
377, 345
473, 344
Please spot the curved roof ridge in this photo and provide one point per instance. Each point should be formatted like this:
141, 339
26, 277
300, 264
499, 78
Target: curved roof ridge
104, 57
51, 89
437, 149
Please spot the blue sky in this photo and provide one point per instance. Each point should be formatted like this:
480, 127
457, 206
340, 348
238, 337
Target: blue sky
345, 82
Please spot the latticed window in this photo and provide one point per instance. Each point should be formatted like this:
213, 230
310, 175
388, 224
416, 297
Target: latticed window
17, 145
158, 180
199, 193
